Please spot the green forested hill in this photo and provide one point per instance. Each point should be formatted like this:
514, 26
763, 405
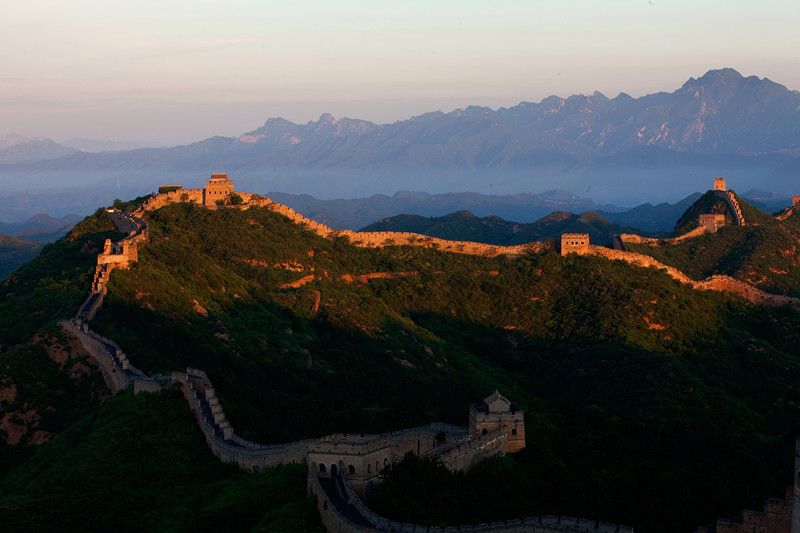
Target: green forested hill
763, 253
647, 403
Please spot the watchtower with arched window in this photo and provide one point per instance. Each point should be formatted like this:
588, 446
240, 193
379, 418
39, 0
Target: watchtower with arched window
497, 412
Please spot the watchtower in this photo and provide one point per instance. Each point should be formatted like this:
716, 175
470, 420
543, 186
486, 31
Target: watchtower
218, 187
574, 243
796, 200
498, 412
712, 222
361, 459
719, 184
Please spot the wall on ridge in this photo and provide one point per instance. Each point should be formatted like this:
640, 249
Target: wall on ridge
754, 295
638, 239
471, 451
716, 283
641, 260
200, 394
730, 197
366, 239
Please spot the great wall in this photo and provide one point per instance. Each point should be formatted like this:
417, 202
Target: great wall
340, 466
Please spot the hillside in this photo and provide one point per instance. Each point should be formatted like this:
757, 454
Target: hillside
763, 253
464, 226
628, 379
15, 252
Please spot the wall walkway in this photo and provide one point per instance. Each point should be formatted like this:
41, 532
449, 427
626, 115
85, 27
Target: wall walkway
730, 197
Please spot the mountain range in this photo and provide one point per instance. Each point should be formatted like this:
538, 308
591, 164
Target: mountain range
621, 150
20, 242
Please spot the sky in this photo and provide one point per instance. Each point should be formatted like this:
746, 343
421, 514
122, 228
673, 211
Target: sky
179, 71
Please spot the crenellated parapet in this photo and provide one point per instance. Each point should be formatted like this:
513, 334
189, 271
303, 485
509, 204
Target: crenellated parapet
730, 198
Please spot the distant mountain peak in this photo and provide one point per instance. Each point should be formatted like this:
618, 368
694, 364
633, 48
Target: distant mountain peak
13, 139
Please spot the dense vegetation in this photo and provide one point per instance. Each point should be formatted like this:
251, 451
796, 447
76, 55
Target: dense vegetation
140, 464
53, 285
647, 403
763, 253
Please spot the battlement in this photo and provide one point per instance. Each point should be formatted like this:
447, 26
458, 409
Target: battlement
719, 184
574, 243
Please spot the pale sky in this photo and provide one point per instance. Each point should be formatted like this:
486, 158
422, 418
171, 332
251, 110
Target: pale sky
179, 71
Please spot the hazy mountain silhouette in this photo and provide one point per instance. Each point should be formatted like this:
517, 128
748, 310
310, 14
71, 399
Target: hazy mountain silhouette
621, 150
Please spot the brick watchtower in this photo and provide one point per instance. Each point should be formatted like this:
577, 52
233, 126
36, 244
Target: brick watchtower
498, 412
719, 184
574, 243
712, 222
218, 187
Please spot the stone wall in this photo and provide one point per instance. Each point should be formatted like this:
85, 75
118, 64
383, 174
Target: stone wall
118, 372
641, 260
161, 200
376, 239
716, 283
468, 452
754, 295
424, 440
114, 255
219, 434
730, 197
638, 239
